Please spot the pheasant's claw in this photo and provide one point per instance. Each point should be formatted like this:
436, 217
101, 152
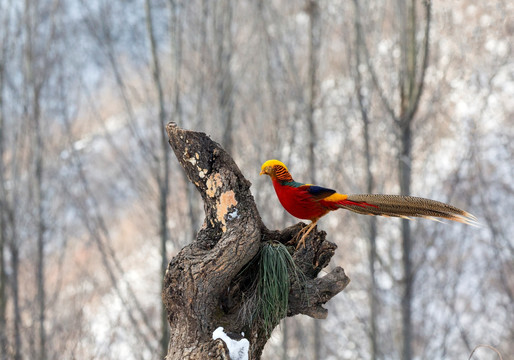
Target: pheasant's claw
301, 241
297, 236
305, 231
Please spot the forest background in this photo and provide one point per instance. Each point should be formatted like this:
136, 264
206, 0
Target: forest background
352, 95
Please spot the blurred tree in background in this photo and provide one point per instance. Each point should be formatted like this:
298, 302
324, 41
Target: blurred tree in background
394, 96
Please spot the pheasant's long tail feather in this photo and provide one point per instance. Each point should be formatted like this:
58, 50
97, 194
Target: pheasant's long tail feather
405, 207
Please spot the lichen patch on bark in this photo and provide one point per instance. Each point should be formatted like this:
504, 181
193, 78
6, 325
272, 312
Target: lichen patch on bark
213, 184
226, 201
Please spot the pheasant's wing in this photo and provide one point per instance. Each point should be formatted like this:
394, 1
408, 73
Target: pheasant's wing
405, 207
317, 192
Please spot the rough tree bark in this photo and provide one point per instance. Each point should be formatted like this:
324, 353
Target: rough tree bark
203, 286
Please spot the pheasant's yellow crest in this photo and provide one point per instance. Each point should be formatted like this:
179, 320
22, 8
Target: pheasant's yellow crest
271, 164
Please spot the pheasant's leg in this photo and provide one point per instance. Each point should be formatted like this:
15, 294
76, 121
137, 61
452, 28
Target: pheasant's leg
306, 230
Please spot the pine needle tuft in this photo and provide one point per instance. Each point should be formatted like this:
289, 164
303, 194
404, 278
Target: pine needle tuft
276, 267
268, 297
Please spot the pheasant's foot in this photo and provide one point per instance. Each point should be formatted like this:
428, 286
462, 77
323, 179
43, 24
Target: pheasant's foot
294, 240
305, 231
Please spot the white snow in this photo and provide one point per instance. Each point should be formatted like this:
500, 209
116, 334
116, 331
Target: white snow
237, 350
233, 215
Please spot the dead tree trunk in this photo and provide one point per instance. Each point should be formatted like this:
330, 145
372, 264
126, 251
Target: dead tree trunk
205, 283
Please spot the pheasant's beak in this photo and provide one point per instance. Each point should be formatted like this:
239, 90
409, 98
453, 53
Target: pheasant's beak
265, 171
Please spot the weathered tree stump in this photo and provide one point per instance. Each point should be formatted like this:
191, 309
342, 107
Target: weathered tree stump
203, 286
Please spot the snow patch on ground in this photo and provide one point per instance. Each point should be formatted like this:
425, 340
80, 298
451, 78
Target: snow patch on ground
237, 350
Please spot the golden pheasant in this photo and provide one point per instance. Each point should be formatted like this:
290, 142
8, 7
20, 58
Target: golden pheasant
311, 202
